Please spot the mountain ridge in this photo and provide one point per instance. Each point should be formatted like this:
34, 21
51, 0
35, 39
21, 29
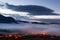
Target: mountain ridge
4, 19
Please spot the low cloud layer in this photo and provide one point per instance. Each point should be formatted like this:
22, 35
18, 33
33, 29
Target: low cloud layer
32, 9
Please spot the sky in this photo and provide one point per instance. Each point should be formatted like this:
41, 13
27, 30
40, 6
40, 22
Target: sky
44, 6
52, 4
40, 9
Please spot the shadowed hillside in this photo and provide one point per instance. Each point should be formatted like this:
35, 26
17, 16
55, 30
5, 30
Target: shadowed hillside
4, 19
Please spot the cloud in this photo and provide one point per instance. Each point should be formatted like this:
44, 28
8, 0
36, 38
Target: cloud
32, 9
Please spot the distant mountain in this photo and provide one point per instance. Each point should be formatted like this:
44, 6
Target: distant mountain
43, 22
4, 19
50, 20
